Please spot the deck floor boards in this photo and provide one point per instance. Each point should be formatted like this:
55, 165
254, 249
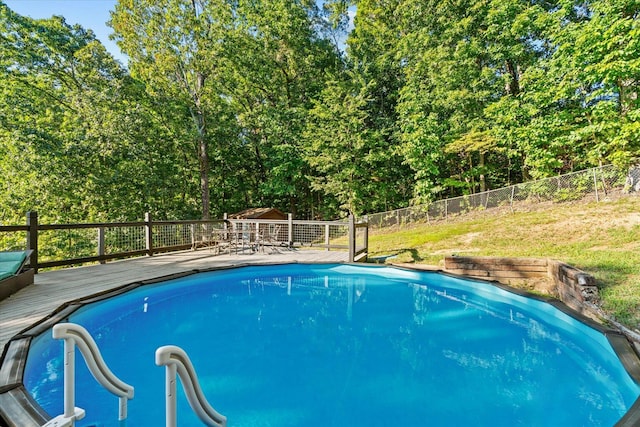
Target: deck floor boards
53, 288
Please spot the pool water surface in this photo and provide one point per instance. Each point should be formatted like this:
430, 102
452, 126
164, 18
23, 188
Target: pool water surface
343, 345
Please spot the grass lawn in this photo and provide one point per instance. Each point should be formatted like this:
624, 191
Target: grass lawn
602, 239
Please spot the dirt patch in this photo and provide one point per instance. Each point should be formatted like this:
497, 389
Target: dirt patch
452, 251
468, 238
624, 248
540, 285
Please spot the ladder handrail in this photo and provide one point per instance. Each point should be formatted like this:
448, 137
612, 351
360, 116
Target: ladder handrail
75, 335
177, 361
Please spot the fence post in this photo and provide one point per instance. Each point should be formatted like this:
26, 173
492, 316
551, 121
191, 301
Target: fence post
366, 240
352, 238
290, 227
595, 184
148, 233
101, 243
326, 236
513, 191
32, 239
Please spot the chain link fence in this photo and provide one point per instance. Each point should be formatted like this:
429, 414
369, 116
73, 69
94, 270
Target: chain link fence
595, 184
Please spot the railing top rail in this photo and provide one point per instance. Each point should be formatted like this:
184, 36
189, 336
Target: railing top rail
90, 225
334, 222
12, 228
257, 220
110, 224
284, 221
187, 221
67, 226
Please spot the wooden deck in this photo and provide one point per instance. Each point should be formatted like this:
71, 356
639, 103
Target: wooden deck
52, 289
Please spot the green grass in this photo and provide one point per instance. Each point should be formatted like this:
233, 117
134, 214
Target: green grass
602, 239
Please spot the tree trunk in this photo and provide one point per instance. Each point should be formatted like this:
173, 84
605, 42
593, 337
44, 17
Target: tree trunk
203, 158
203, 155
513, 85
628, 89
483, 184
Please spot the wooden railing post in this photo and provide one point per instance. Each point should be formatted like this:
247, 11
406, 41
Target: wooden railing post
352, 238
32, 239
101, 245
366, 238
327, 236
148, 233
290, 227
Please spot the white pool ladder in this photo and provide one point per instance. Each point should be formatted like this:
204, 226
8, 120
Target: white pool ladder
73, 335
176, 361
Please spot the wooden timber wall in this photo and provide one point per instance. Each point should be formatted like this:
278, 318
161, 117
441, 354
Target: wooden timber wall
572, 286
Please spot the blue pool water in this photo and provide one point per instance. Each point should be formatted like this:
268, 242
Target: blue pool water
344, 345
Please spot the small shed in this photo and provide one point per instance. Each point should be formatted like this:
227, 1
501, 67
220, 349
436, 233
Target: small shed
259, 213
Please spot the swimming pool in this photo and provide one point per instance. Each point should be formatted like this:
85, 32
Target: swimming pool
344, 345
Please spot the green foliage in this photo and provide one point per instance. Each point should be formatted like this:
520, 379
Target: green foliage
231, 104
272, 90
584, 93
80, 139
339, 146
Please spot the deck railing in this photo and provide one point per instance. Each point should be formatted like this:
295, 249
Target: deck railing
56, 245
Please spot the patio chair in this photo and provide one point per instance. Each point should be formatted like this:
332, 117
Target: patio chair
202, 236
221, 240
13, 273
271, 237
247, 237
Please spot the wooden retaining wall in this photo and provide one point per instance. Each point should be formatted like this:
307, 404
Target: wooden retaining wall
572, 286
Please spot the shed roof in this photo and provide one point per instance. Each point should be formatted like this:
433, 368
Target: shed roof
257, 213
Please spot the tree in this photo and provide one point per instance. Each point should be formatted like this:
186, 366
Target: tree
463, 63
279, 65
584, 95
55, 79
338, 146
79, 138
372, 47
176, 47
